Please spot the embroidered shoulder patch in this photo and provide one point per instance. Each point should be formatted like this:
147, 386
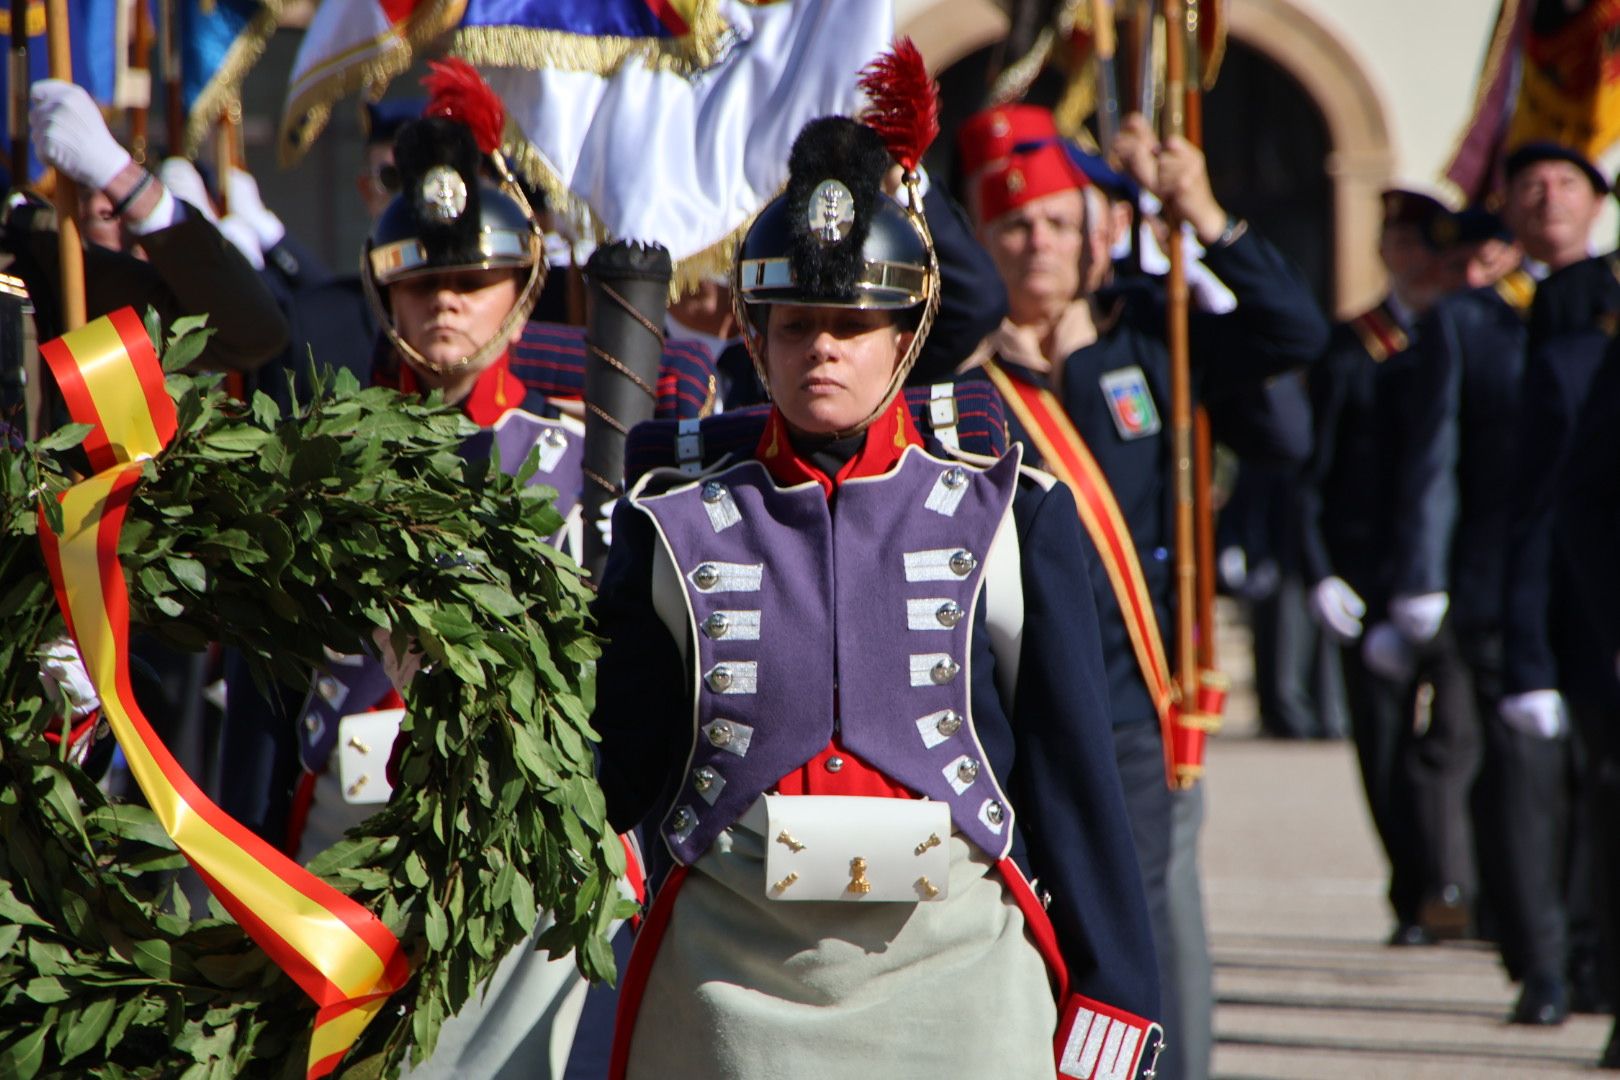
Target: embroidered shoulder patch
1130, 402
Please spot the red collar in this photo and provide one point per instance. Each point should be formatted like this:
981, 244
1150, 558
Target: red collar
886, 439
496, 390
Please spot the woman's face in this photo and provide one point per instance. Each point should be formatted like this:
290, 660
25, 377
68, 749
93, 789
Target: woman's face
450, 315
827, 368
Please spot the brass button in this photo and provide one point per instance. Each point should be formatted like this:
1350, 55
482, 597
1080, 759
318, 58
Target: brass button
955, 477
720, 678
682, 820
713, 491
835, 763
720, 733
716, 625
706, 576
968, 771
949, 724
949, 613
552, 437
312, 723
963, 562
994, 813
944, 671
703, 778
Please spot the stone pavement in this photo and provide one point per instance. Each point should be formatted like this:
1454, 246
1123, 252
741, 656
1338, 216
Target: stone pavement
1304, 986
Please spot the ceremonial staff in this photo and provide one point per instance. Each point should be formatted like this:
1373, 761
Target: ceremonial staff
1104, 44
173, 98
140, 60
1203, 441
66, 194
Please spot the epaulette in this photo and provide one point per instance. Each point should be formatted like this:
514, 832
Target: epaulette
1380, 334
550, 358
966, 415
1517, 289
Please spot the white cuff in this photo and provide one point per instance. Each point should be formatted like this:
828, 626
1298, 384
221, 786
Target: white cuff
164, 214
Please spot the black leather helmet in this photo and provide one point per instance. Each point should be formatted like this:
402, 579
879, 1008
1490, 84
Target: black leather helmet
447, 217
835, 238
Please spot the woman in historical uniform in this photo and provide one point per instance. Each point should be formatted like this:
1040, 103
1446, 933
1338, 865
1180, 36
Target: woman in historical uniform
852, 691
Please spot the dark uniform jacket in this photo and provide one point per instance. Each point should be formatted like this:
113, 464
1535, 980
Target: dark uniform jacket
1457, 412
1275, 327
190, 270
1547, 639
1347, 498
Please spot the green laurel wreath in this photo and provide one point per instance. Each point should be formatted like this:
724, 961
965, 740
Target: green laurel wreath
281, 535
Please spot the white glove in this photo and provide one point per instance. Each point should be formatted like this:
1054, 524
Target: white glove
244, 238
1387, 653
1418, 618
1541, 714
401, 669
186, 184
604, 522
70, 135
67, 684
1338, 608
243, 200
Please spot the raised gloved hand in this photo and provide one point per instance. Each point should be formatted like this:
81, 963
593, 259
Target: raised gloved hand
186, 184
1338, 608
1418, 618
67, 684
1541, 714
1386, 652
69, 134
243, 201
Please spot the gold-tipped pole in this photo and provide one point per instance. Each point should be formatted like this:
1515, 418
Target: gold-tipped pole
66, 195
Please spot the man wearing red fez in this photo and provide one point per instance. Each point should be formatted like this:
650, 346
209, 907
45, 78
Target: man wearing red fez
1086, 375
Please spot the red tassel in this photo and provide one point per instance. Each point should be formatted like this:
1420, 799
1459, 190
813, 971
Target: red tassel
904, 103
459, 93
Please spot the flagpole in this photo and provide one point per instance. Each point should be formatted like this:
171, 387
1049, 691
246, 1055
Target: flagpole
140, 116
174, 106
1181, 412
1102, 29
17, 102
1203, 439
66, 194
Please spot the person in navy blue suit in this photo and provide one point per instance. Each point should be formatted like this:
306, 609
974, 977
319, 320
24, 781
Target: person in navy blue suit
1460, 439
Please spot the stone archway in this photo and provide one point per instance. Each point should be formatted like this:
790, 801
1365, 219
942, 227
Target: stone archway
1359, 164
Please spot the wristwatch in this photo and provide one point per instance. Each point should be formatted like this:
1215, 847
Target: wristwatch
1235, 227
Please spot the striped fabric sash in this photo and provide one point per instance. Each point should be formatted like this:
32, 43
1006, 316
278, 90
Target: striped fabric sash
1380, 334
1066, 456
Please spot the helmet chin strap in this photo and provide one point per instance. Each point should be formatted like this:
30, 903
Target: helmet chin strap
527, 298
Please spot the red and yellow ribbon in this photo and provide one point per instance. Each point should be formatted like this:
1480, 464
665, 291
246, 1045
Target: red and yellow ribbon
338, 952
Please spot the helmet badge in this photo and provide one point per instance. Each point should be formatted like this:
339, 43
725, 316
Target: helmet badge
831, 212
442, 195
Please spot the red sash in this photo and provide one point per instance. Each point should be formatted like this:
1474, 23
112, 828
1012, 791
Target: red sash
1067, 457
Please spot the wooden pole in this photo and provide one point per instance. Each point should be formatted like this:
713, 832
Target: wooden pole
1203, 440
17, 102
140, 59
174, 105
66, 197
1181, 411
1102, 29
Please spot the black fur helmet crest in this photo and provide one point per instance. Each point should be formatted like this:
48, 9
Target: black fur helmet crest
835, 237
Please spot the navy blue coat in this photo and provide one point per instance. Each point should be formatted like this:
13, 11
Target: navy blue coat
1346, 502
1456, 416
1275, 327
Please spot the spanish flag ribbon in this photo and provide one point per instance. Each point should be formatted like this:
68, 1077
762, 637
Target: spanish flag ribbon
338, 952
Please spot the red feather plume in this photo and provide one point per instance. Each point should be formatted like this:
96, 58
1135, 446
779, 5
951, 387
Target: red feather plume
457, 92
904, 102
